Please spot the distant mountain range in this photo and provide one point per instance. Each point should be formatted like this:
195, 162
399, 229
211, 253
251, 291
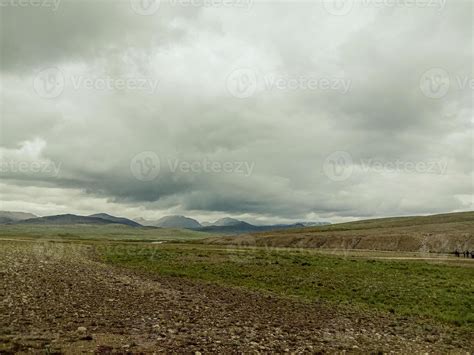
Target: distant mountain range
8, 216
114, 219
70, 219
225, 225
234, 226
244, 227
222, 226
172, 222
227, 221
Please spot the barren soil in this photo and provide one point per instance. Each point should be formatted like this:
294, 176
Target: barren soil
60, 298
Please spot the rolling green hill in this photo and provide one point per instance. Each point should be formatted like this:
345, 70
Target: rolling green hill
97, 232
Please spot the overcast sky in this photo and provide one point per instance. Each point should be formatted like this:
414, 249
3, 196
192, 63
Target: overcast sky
269, 111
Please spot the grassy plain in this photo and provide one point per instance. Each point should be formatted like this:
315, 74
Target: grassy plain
98, 233
414, 288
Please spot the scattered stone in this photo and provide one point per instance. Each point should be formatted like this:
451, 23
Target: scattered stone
180, 315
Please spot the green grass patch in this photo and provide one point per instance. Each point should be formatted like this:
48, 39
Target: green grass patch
112, 232
409, 288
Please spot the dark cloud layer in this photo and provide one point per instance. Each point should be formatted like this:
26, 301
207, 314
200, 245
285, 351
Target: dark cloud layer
276, 112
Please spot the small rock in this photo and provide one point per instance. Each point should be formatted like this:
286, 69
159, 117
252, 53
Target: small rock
104, 349
82, 329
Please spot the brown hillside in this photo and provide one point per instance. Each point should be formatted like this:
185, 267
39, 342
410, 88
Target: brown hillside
436, 233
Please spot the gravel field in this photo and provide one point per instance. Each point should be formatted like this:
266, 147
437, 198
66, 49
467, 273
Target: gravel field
58, 298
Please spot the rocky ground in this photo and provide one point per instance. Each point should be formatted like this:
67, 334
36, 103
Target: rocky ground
58, 298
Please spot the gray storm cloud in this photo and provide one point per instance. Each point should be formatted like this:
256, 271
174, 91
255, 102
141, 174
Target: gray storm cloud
367, 113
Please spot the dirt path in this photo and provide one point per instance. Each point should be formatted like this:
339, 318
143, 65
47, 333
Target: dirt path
58, 298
